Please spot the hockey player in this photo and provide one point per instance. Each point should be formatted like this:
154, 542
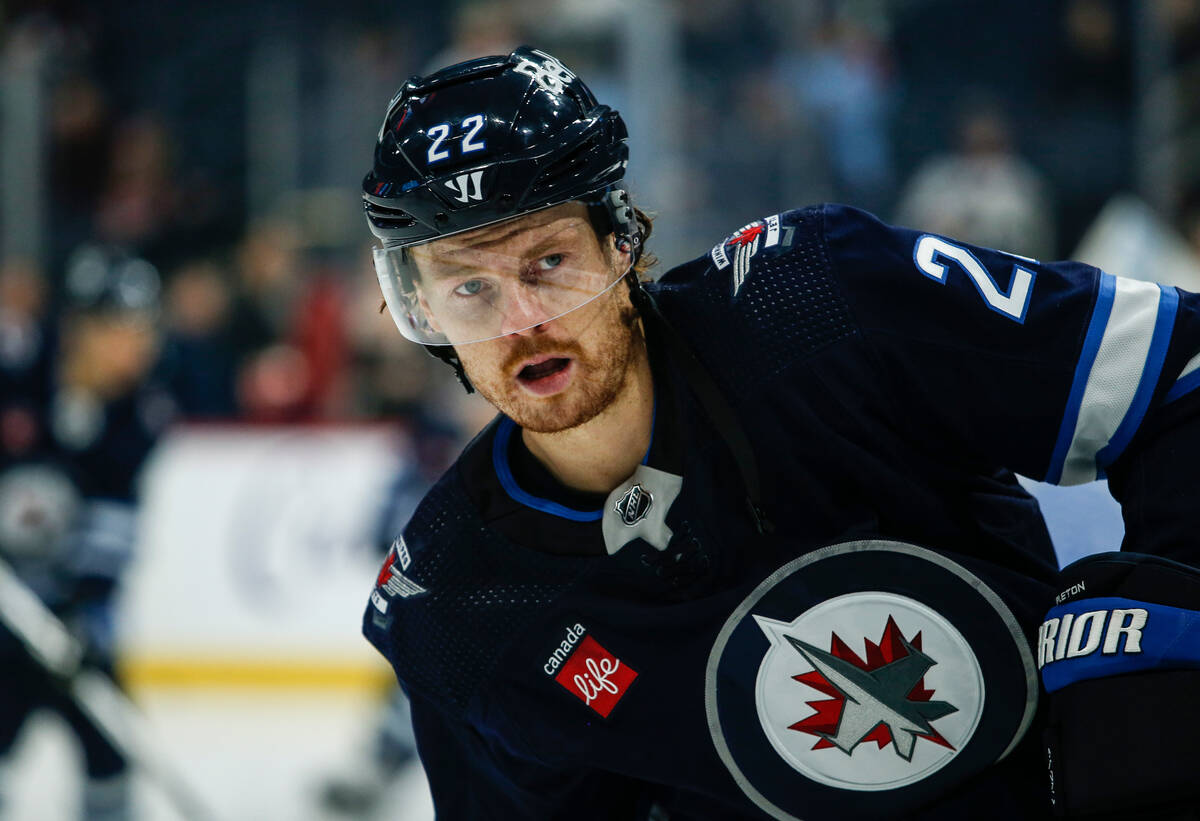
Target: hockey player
746, 541
78, 421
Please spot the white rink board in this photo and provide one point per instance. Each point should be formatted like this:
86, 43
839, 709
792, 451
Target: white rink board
256, 543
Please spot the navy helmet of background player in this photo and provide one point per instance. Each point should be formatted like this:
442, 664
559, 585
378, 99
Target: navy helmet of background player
78, 423
888, 382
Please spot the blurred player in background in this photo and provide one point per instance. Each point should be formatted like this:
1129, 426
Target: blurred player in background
77, 420
748, 541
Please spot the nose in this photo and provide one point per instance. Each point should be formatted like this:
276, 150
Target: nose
523, 312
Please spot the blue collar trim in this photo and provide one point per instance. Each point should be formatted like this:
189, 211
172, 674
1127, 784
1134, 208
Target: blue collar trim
504, 473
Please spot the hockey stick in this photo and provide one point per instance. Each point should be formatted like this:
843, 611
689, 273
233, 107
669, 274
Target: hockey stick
60, 654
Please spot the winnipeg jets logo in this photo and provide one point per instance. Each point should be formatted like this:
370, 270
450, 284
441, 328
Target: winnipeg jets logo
880, 716
549, 74
872, 672
883, 699
634, 504
467, 187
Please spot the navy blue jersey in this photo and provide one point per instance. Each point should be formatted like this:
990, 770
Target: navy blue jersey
654, 656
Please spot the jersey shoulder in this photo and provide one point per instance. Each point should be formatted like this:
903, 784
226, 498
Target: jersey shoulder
452, 593
762, 299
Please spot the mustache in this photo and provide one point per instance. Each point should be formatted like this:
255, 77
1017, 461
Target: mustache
529, 347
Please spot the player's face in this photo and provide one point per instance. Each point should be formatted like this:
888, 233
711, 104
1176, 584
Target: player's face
547, 372
117, 351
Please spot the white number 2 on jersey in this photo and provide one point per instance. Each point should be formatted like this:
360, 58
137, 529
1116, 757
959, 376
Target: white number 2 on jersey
1014, 304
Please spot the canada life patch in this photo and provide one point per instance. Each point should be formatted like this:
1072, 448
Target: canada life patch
582, 667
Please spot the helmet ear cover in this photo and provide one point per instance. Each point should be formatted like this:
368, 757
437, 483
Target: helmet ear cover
614, 214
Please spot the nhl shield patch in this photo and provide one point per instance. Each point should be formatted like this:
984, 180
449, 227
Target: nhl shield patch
633, 505
874, 668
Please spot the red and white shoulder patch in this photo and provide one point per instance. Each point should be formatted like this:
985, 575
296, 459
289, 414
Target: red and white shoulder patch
744, 244
391, 581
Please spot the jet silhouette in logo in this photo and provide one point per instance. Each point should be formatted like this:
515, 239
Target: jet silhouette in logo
872, 697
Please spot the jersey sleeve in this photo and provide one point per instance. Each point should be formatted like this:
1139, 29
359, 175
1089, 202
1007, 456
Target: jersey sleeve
1058, 371
1050, 369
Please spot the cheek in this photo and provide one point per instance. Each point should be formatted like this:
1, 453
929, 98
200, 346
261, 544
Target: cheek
481, 360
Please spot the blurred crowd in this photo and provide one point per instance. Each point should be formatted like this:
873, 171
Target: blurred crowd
224, 142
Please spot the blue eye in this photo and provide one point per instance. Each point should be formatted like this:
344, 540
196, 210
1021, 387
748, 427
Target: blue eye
470, 288
551, 261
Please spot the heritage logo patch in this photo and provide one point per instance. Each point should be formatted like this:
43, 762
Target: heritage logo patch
743, 244
391, 581
595, 676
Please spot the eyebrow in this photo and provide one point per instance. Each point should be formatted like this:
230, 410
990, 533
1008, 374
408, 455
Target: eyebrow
533, 250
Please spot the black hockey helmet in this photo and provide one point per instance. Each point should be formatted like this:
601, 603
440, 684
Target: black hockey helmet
523, 132
481, 142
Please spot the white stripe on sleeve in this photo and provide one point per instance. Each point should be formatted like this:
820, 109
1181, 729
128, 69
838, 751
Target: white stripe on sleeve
1114, 377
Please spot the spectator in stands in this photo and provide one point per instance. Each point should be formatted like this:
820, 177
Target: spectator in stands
198, 363
982, 191
840, 80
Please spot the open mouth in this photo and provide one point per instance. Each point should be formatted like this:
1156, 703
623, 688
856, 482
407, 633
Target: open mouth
546, 377
540, 370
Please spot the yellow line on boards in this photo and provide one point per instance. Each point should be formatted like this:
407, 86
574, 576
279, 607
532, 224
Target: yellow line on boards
202, 673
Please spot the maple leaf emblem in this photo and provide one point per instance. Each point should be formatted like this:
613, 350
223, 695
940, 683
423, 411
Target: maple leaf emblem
882, 699
386, 571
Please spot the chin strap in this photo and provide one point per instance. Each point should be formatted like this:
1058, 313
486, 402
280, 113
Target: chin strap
711, 398
447, 354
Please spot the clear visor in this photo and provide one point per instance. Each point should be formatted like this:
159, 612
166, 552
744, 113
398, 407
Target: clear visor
497, 281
